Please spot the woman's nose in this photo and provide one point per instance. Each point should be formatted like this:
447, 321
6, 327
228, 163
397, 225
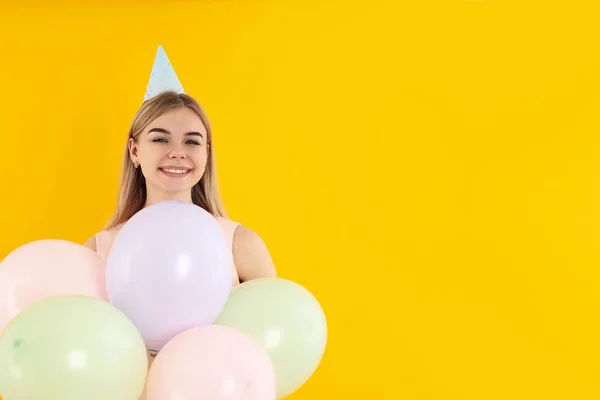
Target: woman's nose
175, 153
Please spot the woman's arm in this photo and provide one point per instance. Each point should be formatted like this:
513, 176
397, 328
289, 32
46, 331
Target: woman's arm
251, 256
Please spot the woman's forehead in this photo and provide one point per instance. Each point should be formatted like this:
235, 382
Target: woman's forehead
179, 121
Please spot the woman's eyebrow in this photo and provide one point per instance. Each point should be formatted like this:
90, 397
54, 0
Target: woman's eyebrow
162, 130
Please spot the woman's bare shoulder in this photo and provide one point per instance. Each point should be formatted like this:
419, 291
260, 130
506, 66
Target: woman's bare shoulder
91, 243
251, 255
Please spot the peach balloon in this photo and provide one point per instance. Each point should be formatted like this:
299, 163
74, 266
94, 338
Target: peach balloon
48, 268
211, 362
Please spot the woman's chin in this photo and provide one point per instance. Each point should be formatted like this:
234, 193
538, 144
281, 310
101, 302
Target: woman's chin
175, 190
174, 186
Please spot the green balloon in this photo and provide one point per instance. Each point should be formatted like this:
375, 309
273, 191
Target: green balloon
287, 320
72, 348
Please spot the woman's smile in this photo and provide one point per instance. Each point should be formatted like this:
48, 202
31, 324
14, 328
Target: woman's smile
177, 172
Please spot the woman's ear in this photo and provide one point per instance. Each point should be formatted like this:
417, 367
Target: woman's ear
132, 146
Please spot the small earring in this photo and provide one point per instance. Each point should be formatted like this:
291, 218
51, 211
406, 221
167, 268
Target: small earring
135, 164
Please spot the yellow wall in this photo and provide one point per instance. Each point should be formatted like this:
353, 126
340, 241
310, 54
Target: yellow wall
430, 170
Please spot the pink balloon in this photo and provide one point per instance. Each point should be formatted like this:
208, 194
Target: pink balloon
47, 268
211, 362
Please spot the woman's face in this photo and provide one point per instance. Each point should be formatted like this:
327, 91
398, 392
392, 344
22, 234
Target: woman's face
172, 151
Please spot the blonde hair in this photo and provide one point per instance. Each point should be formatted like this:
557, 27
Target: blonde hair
132, 187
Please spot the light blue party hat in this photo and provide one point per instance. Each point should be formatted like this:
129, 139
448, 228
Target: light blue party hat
163, 77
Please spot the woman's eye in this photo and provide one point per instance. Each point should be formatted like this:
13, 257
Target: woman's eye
163, 140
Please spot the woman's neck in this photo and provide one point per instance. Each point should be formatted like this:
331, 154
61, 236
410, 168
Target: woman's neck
156, 196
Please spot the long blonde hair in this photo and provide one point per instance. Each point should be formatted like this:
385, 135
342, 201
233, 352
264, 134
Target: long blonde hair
132, 187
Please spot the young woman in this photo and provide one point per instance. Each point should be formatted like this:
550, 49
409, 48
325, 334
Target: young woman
170, 156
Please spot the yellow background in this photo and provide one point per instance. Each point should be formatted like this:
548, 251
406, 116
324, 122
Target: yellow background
430, 170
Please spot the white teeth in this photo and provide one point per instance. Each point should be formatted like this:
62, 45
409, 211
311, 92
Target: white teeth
176, 171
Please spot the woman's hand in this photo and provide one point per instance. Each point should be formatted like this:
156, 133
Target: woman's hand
151, 355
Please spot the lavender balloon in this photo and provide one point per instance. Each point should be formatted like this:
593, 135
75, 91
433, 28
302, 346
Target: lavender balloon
170, 269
